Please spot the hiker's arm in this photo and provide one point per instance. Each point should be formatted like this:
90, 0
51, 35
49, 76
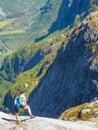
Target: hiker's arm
15, 100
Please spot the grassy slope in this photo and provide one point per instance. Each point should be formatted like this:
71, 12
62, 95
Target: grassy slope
57, 38
9, 29
83, 112
13, 7
37, 19
32, 76
23, 28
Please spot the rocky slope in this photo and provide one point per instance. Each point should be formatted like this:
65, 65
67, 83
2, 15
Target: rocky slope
73, 9
73, 77
76, 60
87, 111
7, 122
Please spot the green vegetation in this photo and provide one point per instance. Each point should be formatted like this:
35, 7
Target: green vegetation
25, 21
2, 56
84, 112
6, 22
11, 76
13, 7
72, 113
94, 7
12, 32
28, 20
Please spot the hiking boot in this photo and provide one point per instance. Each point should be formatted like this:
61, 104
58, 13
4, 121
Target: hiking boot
32, 116
18, 121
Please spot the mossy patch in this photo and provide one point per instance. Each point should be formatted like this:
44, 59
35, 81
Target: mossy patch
83, 112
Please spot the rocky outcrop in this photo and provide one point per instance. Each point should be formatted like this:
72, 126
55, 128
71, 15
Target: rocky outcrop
87, 111
70, 10
73, 77
7, 122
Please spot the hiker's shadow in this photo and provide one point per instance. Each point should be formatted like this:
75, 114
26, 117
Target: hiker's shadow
10, 120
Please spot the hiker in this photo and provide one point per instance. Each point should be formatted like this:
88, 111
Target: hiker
20, 102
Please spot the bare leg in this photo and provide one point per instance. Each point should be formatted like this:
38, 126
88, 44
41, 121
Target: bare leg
17, 118
29, 111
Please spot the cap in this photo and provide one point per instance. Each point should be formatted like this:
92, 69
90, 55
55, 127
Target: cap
22, 92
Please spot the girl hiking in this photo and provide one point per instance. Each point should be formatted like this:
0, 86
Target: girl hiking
20, 102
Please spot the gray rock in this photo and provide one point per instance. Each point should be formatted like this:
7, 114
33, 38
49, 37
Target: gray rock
69, 80
7, 122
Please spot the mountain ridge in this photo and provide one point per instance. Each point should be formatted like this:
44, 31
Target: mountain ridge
70, 57
73, 73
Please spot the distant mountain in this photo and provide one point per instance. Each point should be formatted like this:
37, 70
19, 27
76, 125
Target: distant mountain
72, 12
25, 20
21, 22
69, 10
18, 8
33, 20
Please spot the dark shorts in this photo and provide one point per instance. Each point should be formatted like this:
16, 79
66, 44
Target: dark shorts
17, 108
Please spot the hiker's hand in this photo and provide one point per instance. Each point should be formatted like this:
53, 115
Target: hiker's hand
23, 103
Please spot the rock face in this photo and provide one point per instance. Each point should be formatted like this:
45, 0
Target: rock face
18, 64
87, 111
73, 77
69, 13
9, 102
69, 10
7, 122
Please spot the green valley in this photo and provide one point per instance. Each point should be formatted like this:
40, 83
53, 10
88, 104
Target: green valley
23, 21
16, 67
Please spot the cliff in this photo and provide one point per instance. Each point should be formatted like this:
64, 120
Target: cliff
73, 77
87, 111
70, 10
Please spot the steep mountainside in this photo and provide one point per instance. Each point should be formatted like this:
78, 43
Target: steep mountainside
27, 66
72, 11
34, 59
23, 21
73, 77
